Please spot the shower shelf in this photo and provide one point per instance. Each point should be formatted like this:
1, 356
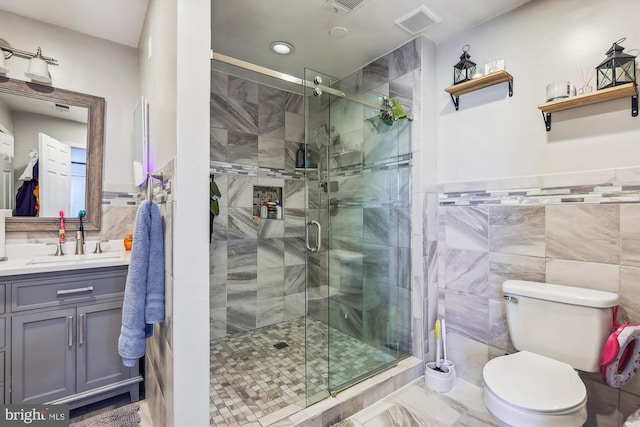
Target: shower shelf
480, 83
602, 95
343, 153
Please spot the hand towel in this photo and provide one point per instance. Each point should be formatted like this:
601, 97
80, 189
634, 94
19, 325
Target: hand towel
144, 292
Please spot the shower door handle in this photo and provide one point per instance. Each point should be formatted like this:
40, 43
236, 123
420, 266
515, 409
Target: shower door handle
318, 236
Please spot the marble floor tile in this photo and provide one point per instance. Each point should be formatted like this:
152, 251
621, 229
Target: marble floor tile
253, 381
416, 405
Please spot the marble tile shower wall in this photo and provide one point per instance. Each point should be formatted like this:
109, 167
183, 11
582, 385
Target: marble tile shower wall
556, 238
256, 267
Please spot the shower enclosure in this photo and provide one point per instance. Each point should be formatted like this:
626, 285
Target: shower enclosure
357, 190
305, 305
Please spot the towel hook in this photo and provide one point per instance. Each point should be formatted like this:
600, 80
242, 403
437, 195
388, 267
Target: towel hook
150, 177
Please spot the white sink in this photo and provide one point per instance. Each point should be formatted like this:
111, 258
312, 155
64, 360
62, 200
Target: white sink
73, 259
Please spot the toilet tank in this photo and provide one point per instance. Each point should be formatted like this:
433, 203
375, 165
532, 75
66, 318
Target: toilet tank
565, 323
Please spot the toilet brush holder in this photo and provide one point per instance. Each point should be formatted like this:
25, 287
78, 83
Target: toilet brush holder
441, 380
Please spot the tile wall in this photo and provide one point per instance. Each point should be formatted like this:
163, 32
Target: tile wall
255, 132
577, 230
159, 361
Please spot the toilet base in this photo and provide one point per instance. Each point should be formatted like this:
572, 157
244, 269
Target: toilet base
509, 416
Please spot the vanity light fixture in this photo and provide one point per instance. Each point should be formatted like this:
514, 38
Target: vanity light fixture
282, 48
38, 70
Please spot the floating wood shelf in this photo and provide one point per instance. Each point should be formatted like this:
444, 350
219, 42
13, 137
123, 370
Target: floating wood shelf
480, 83
596, 97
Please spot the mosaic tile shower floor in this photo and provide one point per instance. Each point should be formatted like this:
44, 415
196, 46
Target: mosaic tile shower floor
250, 378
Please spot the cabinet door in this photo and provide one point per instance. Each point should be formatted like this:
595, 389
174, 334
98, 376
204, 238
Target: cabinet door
43, 356
99, 363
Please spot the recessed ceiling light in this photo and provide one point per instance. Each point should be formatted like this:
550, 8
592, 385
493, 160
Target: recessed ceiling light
338, 32
282, 48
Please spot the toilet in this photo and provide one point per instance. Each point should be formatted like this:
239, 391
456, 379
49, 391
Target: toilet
556, 330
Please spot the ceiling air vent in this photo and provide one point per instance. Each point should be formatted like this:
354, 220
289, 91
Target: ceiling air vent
419, 20
342, 6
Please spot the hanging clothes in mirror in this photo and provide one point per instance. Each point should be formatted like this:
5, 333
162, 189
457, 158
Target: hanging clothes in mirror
27, 203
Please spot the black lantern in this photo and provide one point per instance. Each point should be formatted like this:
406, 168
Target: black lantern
619, 68
465, 68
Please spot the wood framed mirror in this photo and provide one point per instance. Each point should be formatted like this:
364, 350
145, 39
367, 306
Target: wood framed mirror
95, 116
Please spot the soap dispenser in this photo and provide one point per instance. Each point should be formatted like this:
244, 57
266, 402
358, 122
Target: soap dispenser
300, 156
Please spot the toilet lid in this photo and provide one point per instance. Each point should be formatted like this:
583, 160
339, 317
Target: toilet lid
534, 382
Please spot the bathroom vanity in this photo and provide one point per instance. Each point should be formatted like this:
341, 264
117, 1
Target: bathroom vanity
59, 328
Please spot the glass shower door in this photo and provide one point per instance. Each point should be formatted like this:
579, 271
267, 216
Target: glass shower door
357, 189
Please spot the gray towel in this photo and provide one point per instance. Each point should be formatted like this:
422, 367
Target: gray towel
144, 293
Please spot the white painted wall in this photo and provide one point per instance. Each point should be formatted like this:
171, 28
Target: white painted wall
88, 65
191, 217
175, 81
494, 136
157, 67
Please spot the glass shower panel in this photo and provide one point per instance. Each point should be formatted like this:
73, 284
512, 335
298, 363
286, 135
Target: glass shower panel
358, 300
317, 137
363, 300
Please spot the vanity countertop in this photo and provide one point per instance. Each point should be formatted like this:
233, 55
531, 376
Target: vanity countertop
31, 262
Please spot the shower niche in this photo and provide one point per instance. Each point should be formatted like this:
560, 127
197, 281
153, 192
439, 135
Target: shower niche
267, 202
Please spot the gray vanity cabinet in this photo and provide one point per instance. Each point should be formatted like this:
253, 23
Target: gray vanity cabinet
43, 356
64, 338
98, 362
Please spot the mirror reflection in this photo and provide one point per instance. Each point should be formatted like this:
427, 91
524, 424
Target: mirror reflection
51, 148
44, 156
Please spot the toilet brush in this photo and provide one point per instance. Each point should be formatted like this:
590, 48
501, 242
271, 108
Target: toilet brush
439, 376
437, 331
444, 341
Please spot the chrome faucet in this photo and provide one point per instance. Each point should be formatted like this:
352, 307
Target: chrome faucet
79, 243
80, 234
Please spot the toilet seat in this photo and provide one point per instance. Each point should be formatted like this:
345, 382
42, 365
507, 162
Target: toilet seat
534, 383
